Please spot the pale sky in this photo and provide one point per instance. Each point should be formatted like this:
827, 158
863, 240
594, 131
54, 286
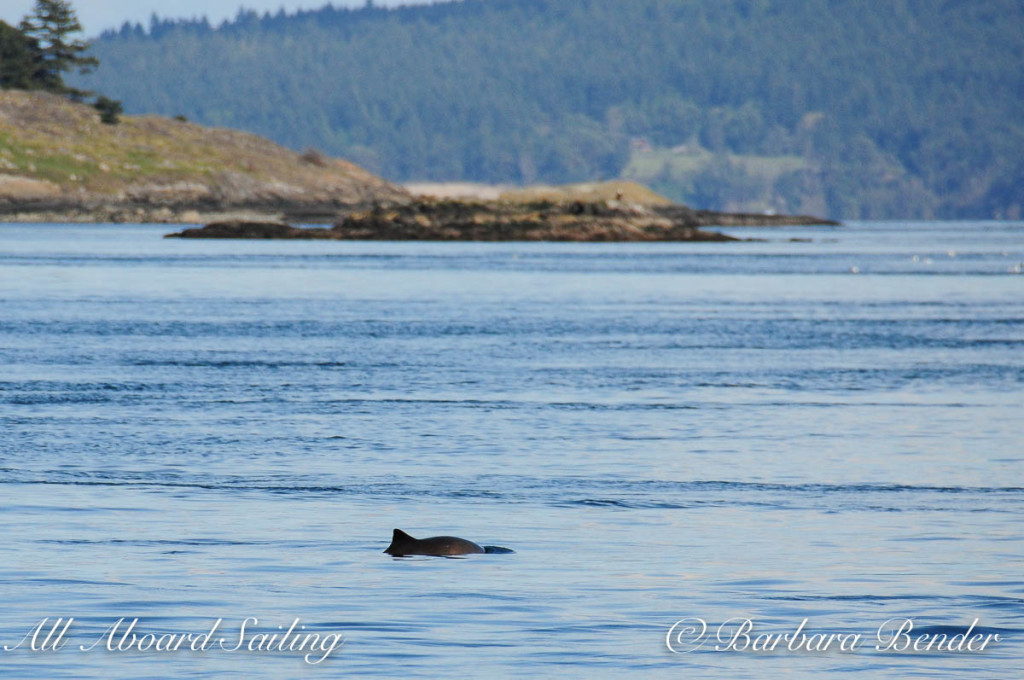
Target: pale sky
98, 15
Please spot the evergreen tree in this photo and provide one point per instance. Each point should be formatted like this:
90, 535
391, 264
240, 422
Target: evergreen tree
51, 25
19, 60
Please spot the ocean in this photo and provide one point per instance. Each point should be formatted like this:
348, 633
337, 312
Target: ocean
799, 456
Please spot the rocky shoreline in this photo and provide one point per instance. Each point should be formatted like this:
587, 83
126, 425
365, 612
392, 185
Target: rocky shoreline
99, 210
457, 220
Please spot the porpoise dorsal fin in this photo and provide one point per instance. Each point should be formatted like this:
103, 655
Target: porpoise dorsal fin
400, 535
400, 543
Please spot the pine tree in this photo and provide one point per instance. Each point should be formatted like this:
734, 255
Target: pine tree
19, 60
51, 24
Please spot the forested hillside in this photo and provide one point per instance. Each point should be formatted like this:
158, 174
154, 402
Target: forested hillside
851, 108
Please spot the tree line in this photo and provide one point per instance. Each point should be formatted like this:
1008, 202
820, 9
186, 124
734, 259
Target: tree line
906, 108
37, 54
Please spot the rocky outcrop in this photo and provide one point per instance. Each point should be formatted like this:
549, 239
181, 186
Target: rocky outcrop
251, 229
505, 221
482, 221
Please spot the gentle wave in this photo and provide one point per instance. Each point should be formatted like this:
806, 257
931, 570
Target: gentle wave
571, 491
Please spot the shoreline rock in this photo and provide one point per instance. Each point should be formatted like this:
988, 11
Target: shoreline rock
251, 229
101, 210
460, 220
451, 220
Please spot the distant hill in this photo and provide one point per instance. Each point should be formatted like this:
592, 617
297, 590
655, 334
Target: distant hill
58, 160
854, 109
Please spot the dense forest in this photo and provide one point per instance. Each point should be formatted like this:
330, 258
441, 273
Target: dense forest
851, 108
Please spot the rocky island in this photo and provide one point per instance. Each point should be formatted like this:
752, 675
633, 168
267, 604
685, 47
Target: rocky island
60, 163
426, 220
465, 220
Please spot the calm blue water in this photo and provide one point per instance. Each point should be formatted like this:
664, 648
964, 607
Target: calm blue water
196, 430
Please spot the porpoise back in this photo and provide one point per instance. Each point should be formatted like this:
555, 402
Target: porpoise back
403, 544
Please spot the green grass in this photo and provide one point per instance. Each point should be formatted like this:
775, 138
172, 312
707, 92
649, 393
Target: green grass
38, 162
97, 160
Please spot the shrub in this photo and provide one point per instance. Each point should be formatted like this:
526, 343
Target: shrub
110, 110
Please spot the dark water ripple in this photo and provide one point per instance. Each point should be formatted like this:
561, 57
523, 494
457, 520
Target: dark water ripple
575, 491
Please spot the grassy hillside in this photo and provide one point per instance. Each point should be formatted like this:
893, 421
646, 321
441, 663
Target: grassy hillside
54, 148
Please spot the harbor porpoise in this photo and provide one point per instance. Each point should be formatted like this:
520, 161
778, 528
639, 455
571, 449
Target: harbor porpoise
403, 544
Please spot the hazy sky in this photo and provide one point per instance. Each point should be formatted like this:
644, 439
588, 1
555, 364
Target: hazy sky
99, 15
